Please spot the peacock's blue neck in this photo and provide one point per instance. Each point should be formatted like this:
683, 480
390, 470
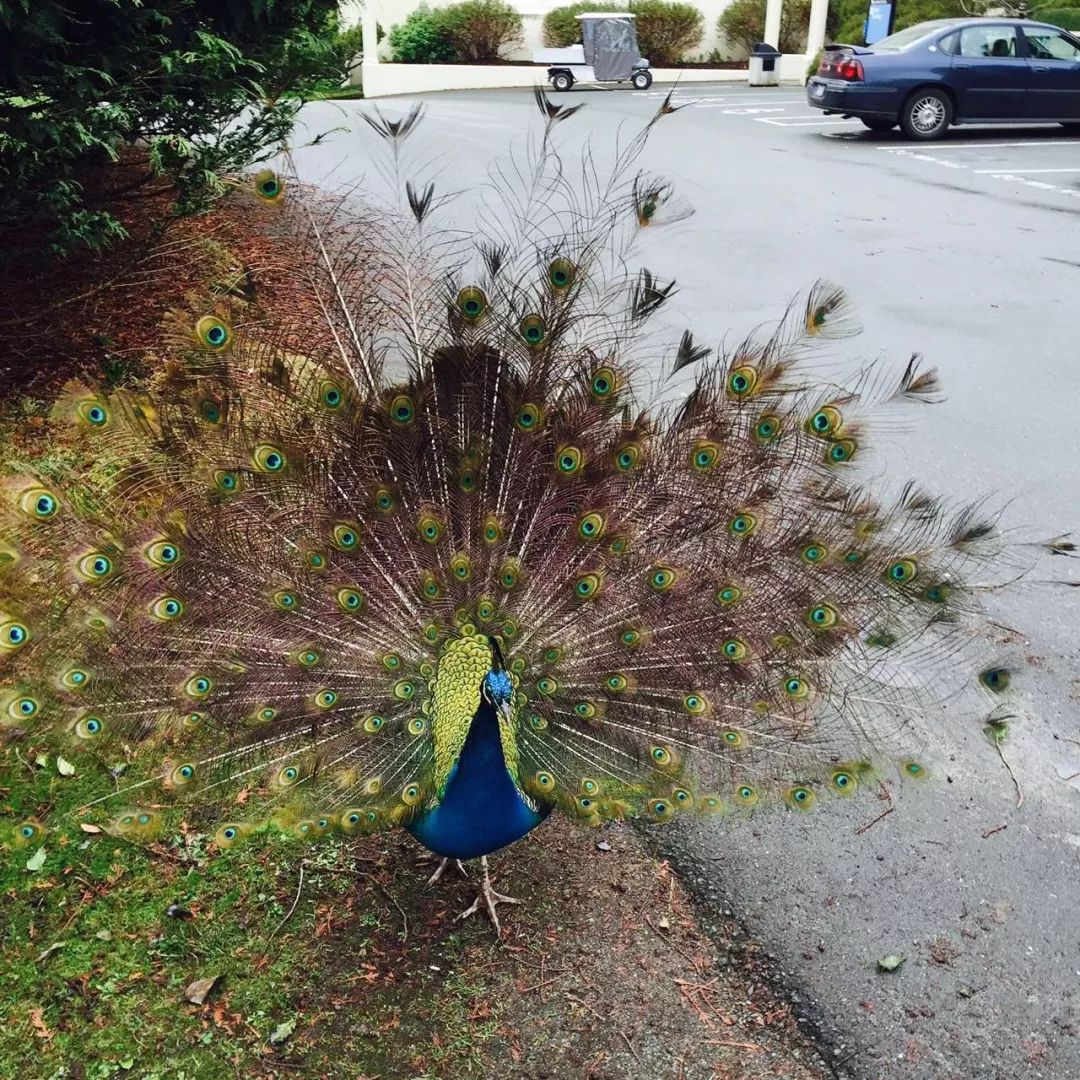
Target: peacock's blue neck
482, 809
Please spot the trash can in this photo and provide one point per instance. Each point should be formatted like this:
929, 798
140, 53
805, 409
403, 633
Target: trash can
764, 70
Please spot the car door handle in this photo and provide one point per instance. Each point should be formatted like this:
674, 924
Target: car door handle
1040, 67
962, 67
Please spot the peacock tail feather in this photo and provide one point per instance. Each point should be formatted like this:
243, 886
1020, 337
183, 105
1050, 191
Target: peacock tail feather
315, 539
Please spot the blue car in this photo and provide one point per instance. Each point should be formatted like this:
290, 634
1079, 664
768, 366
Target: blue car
954, 71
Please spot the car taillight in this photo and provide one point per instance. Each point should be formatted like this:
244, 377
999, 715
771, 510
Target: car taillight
837, 68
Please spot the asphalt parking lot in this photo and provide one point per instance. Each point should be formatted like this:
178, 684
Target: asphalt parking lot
967, 250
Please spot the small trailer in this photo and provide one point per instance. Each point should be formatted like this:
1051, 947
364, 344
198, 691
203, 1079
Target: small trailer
607, 52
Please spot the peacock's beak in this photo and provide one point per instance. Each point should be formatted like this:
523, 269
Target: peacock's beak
505, 714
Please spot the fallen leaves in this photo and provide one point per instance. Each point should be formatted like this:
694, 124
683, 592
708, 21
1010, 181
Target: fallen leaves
892, 962
196, 993
37, 860
282, 1032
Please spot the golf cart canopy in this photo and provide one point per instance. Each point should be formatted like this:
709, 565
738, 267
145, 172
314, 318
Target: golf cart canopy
610, 41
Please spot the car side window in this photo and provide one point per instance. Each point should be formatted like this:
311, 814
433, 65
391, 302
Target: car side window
950, 44
1051, 45
988, 42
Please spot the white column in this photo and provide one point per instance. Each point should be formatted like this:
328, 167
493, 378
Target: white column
815, 36
773, 9
370, 34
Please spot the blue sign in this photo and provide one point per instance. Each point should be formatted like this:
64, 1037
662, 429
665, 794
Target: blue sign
879, 19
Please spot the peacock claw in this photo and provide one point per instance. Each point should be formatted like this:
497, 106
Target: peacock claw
490, 898
442, 867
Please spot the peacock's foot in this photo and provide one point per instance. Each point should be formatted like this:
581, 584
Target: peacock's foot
489, 898
442, 868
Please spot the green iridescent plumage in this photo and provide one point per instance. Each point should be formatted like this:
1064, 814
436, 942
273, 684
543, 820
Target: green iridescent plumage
319, 537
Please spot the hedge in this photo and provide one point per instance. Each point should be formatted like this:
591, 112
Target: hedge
469, 32
666, 29
742, 24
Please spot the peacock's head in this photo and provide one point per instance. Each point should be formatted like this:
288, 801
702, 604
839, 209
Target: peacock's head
497, 690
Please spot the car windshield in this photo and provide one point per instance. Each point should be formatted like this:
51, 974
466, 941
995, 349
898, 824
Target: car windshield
903, 38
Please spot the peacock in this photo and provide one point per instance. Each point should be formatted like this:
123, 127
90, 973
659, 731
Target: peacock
456, 541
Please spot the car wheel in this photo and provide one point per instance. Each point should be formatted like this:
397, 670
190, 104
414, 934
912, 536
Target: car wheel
926, 114
562, 80
877, 124
642, 80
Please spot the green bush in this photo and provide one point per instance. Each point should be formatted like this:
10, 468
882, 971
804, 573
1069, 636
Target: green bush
207, 88
469, 32
742, 24
1068, 18
479, 29
666, 29
422, 38
851, 16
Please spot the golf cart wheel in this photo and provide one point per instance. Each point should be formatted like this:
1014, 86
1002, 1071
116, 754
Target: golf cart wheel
562, 80
642, 80
926, 114
875, 123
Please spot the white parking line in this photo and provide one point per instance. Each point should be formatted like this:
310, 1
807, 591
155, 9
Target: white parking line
794, 121
983, 146
1021, 169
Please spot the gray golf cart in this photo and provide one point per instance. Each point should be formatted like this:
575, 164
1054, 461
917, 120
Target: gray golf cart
607, 52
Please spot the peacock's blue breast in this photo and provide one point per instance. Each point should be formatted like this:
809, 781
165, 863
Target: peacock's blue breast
482, 810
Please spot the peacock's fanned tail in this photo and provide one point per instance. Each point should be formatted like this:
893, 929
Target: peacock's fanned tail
699, 604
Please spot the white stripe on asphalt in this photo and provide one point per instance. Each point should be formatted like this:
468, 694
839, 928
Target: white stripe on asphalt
1021, 169
795, 122
982, 146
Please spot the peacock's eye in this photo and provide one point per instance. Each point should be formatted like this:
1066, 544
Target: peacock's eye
561, 274
210, 411
603, 383
269, 186
704, 456
198, 686
996, 679
695, 704
345, 537
162, 553
227, 481
841, 451
268, 458
533, 330
95, 567
587, 586
331, 395
767, 428
661, 578
430, 528
529, 417
92, 413
166, 608
742, 380
13, 634
325, 699
472, 302
569, 460
384, 500
350, 600
213, 332
734, 649
373, 724
627, 457
902, 571
742, 524
286, 600
822, 617
825, 422
402, 410
814, 553
728, 594
38, 503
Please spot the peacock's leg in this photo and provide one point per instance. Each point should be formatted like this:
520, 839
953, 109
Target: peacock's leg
490, 898
442, 867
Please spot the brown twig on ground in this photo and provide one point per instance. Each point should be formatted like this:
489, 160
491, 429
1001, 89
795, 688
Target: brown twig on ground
990, 832
1012, 775
289, 913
